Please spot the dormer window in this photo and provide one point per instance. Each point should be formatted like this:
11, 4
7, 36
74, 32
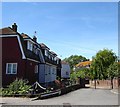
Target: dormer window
57, 61
52, 57
29, 45
34, 48
37, 52
46, 53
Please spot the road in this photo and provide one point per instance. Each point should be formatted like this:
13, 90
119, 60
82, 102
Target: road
86, 96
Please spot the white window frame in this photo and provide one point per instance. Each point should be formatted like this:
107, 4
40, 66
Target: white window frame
11, 68
46, 52
55, 58
29, 45
37, 51
36, 68
57, 61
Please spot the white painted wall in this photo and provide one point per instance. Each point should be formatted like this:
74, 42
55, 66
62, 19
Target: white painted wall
65, 71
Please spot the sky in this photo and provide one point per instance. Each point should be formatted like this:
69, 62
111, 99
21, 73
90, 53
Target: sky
67, 28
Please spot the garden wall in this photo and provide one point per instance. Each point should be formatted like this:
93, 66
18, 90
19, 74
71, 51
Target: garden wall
104, 83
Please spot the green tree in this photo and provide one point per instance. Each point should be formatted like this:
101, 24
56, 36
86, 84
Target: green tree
75, 59
100, 63
83, 73
73, 77
94, 70
113, 72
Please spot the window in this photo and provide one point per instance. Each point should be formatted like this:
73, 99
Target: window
29, 45
34, 48
11, 68
67, 73
46, 53
36, 68
37, 52
52, 58
57, 61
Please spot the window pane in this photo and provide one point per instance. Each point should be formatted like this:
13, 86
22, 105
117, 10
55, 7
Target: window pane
36, 69
31, 46
9, 68
46, 52
14, 69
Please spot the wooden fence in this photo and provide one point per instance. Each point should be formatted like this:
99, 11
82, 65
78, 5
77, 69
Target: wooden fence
105, 83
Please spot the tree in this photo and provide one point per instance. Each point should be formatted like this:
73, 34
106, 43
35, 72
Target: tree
94, 70
113, 72
75, 59
100, 63
73, 77
83, 73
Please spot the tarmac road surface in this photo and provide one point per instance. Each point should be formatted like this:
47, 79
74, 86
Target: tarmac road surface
84, 96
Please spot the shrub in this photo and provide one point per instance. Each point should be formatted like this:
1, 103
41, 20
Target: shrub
18, 87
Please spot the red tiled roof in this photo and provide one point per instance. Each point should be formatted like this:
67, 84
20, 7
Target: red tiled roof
24, 35
7, 31
83, 63
43, 45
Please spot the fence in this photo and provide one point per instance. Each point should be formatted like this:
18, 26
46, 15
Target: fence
105, 83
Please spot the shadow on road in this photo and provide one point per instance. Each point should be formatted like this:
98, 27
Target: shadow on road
52, 96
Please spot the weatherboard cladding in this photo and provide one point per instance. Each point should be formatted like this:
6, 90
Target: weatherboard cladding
26, 66
28, 54
12, 53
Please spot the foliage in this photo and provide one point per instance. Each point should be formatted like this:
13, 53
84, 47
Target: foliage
118, 69
83, 73
113, 70
18, 87
73, 77
75, 59
100, 63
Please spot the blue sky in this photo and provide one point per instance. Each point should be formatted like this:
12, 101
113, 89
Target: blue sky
67, 28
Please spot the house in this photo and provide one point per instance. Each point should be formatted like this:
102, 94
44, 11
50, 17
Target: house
59, 66
23, 57
65, 70
49, 70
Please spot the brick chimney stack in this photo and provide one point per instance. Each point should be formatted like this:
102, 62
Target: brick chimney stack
34, 37
14, 27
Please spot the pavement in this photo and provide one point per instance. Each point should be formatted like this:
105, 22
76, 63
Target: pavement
115, 91
84, 96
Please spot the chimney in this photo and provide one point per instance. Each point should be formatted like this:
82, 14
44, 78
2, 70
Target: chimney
34, 38
14, 27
